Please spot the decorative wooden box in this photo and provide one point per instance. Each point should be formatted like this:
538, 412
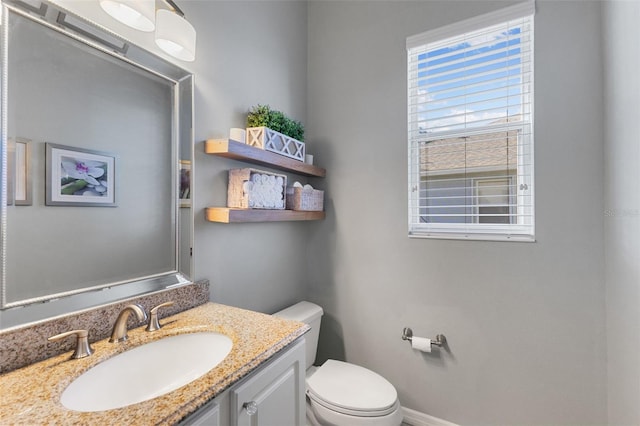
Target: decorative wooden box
305, 199
270, 140
256, 189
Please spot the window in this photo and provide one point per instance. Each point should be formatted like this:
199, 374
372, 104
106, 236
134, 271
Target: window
470, 128
494, 200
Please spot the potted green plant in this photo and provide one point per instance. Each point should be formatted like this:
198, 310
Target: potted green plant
272, 130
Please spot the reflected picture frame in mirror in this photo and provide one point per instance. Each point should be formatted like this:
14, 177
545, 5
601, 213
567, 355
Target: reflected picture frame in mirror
185, 183
79, 177
18, 172
23, 170
22, 184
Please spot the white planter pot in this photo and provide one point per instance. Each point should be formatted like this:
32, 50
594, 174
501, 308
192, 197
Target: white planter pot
270, 140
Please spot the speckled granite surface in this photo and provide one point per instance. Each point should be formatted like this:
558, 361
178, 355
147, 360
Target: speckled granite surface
25, 345
31, 395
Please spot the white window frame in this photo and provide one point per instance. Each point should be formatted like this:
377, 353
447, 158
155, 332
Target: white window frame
525, 229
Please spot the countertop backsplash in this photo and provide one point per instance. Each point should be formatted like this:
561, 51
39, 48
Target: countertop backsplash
26, 345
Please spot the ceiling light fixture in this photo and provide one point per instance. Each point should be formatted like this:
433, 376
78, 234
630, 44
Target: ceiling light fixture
173, 33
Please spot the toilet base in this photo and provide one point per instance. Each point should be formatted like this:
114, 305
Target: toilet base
317, 415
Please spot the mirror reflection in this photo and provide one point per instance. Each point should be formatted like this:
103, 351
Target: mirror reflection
109, 156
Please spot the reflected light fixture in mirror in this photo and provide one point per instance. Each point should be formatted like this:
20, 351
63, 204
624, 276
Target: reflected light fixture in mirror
137, 14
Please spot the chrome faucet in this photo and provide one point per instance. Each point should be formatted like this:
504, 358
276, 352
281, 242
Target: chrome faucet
119, 332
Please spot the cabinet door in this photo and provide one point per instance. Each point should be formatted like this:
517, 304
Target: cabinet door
208, 415
273, 396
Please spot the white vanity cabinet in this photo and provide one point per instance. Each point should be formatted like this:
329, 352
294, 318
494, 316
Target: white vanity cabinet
273, 395
208, 415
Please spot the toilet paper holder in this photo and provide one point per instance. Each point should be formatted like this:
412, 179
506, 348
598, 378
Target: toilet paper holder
440, 340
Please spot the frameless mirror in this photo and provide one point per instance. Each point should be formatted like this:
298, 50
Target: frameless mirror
96, 161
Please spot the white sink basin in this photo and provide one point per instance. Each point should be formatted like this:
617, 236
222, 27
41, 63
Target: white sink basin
146, 372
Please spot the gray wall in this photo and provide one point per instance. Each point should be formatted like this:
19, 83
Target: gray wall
248, 53
525, 321
622, 209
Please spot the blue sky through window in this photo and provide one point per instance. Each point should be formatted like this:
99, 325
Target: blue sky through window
472, 81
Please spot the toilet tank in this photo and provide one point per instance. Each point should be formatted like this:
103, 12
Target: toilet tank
308, 313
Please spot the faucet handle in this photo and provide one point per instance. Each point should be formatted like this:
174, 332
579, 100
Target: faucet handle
154, 324
83, 349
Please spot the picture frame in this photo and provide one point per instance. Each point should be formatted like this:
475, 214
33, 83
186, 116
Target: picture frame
19, 181
11, 171
79, 177
185, 183
23, 187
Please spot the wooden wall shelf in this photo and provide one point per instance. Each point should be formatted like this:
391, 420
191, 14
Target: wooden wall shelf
229, 215
229, 148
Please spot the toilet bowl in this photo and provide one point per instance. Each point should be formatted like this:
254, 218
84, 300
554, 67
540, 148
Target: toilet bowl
341, 393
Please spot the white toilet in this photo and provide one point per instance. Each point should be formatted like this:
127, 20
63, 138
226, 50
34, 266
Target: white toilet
340, 393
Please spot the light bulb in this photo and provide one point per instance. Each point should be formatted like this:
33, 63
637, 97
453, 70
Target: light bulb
125, 13
170, 47
138, 14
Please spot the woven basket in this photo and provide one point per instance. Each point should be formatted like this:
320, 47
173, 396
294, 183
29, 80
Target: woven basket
305, 200
256, 189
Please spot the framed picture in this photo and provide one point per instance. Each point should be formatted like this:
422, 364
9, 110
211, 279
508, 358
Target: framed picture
11, 170
79, 177
185, 183
23, 183
19, 182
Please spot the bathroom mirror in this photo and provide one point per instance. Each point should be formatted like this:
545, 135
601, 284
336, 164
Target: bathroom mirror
98, 132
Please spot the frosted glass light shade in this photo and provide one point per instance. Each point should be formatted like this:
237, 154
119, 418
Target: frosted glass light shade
175, 35
138, 14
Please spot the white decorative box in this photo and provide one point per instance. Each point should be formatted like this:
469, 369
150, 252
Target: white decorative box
256, 189
270, 140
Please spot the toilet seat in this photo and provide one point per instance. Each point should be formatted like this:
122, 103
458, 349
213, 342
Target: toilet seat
317, 415
352, 390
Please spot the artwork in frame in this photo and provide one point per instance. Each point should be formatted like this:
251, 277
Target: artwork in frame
185, 183
79, 177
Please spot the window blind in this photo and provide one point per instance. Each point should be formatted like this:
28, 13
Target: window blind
470, 129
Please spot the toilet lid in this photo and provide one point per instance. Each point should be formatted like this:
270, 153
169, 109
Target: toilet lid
351, 389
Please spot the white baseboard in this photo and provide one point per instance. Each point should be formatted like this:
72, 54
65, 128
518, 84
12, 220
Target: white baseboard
416, 418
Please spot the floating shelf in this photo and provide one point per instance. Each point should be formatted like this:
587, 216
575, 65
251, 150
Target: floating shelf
235, 150
229, 148
229, 215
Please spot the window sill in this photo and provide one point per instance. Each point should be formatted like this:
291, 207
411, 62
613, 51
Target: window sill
473, 237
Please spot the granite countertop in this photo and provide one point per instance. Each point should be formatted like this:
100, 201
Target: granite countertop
31, 395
